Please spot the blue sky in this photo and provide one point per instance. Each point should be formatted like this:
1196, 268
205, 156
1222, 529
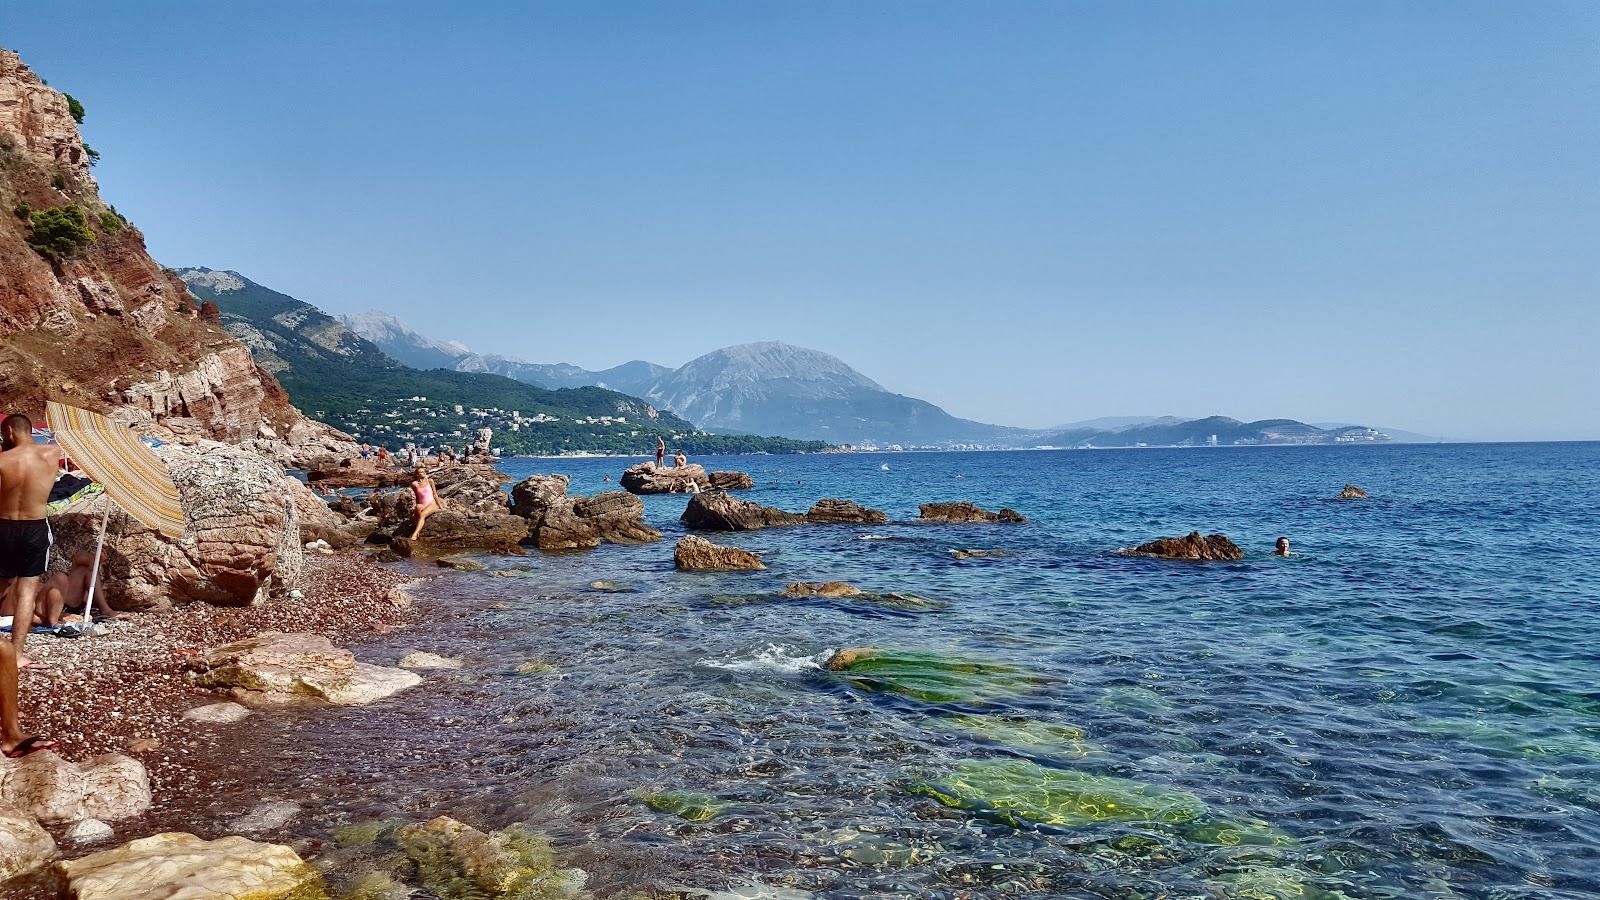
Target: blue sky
1030, 213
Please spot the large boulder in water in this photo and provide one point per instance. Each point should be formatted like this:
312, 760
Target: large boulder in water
242, 544
179, 865
963, 512
732, 481
696, 554
721, 511
559, 522
832, 511
1351, 492
649, 478
1191, 546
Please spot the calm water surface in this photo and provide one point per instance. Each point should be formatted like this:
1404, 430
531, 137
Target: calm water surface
1407, 707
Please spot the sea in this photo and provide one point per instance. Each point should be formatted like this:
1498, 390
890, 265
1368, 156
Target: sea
1407, 706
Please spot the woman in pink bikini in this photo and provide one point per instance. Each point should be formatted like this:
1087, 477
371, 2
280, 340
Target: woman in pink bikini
427, 497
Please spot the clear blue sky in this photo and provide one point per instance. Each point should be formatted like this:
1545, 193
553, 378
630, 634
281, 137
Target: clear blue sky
1029, 213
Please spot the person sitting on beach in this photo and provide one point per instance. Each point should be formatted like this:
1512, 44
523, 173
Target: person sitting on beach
27, 472
661, 451
679, 460
1282, 547
427, 497
64, 592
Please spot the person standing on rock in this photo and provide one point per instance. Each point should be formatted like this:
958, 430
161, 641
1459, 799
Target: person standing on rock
661, 451
27, 472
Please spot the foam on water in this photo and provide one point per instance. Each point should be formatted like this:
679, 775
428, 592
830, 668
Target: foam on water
773, 658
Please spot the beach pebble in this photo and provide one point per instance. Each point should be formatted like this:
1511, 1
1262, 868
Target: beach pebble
418, 659
217, 713
266, 816
89, 831
143, 745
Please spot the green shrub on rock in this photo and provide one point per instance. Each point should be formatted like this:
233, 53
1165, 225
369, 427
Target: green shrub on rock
59, 231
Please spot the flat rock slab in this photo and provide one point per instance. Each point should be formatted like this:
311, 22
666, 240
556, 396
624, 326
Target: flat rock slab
224, 713
696, 554
179, 866
273, 669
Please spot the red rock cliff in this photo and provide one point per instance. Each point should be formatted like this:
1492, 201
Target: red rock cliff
86, 316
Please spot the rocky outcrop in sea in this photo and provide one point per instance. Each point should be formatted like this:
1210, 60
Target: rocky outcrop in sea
721, 511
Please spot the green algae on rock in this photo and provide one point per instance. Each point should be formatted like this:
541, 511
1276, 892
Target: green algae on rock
1049, 738
930, 676
1021, 793
691, 806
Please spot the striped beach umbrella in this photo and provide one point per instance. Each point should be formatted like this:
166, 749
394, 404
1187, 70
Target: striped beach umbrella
112, 454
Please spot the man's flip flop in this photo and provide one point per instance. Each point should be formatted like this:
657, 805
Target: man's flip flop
31, 745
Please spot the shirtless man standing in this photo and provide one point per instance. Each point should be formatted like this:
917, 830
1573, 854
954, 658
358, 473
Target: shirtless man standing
27, 472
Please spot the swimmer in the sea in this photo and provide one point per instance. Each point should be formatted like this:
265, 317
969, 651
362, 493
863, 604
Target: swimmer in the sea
1282, 547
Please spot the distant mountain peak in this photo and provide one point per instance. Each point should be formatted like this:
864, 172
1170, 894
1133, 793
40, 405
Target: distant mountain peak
214, 279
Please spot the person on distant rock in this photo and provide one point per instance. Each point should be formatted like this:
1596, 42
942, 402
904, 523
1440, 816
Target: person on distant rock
605, 479
1282, 547
678, 459
27, 472
661, 451
366, 451
427, 497
383, 456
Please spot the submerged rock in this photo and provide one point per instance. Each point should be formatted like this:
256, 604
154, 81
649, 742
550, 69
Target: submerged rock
460, 564
979, 554
929, 676
453, 859
696, 554
224, 713
1020, 793
691, 806
1351, 492
57, 791
842, 660
832, 511
179, 865
721, 511
267, 816
273, 667
648, 478
419, 659
822, 589
24, 846
1191, 546
610, 587
963, 512
1053, 738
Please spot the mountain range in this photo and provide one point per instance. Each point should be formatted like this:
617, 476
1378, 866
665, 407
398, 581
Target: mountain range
776, 388
346, 380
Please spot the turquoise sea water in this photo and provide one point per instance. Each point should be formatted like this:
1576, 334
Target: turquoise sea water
1409, 706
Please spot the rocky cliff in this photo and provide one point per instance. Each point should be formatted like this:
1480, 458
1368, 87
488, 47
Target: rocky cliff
86, 316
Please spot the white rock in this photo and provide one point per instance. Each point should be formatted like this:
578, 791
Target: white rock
111, 786
89, 831
24, 846
274, 666
420, 659
217, 713
178, 866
